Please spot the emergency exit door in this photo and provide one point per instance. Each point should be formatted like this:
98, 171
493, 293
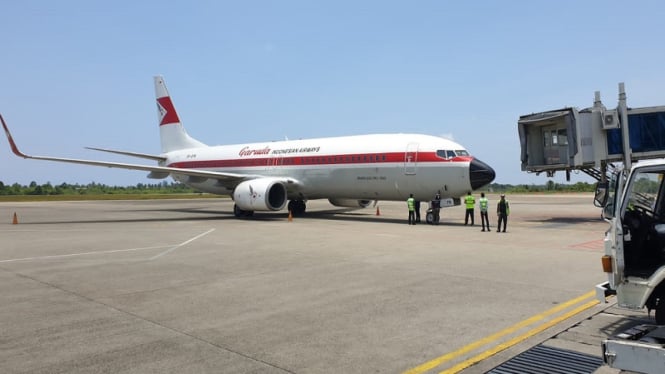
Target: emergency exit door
411, 159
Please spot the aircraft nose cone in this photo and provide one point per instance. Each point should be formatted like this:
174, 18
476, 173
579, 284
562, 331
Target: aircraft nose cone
480, 174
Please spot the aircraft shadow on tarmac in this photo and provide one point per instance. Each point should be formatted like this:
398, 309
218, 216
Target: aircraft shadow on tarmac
196, 214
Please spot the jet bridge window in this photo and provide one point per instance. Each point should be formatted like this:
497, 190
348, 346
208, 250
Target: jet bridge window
562, 137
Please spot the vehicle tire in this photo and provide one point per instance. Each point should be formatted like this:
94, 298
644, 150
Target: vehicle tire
429, 218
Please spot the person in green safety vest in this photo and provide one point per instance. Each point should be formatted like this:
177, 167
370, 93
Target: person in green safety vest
411, 204
483, 203
470, 203
502, 210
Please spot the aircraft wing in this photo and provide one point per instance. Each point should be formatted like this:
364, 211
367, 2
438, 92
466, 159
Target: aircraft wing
155, 171
132, 154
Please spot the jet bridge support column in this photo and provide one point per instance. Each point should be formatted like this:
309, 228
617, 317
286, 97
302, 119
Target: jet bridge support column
623, 112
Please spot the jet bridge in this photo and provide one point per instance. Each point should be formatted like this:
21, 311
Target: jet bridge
588, 140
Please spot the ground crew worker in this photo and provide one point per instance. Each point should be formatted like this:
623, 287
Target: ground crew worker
411, 204
417, 211
470, 202
502, 210
483, 203
436, 207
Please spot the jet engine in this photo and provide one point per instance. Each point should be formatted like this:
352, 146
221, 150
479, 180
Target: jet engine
350, 203
260, 194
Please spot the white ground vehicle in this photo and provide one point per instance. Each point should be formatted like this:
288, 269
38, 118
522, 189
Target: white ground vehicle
634, 205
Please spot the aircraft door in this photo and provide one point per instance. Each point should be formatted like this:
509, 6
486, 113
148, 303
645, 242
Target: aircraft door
411, 159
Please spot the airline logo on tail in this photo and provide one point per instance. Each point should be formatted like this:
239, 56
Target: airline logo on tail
167, 113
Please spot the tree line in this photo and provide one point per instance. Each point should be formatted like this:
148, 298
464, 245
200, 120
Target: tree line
174, 187
550, 186
92, 189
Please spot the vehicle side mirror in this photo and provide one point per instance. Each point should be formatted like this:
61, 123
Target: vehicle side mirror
600, 198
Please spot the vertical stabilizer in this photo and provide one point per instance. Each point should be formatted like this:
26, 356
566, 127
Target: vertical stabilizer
172, 133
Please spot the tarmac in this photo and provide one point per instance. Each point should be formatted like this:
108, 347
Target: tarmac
172, 286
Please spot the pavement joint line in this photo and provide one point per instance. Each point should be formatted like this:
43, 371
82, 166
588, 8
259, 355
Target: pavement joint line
82, 254
507, 331
181, 244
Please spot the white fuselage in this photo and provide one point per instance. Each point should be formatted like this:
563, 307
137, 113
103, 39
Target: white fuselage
377, 167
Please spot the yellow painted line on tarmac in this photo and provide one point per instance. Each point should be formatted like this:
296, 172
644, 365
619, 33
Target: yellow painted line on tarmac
491, 338
473, 360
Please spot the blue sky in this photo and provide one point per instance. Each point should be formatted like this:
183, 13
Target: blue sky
79, 73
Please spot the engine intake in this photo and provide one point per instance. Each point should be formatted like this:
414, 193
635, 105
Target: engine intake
262, 194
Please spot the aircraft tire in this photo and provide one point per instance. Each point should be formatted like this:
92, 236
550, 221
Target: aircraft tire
239, 213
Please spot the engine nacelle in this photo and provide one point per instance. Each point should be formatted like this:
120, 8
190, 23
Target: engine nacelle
260, 194
350, 203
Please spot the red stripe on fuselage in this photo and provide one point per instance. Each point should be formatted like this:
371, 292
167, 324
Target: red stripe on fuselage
346, 159
170, 115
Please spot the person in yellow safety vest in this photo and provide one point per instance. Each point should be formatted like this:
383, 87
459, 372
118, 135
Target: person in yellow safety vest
483, 203
470, 202
503, 211
411, 204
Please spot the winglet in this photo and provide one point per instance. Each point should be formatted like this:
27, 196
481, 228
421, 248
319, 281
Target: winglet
12, 144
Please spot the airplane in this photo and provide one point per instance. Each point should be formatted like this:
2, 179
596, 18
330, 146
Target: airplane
349, 171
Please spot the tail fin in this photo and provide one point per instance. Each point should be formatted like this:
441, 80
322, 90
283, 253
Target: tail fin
172, 133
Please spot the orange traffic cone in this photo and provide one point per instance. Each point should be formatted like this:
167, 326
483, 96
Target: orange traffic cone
290, 216
15, 220
378, 212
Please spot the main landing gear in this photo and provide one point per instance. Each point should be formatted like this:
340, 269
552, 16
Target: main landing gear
296, 207
239, 213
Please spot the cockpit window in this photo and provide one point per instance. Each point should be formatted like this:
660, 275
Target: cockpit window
447, 154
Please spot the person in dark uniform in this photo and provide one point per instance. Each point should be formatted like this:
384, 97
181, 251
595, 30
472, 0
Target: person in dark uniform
502, 210
436, 208
418, 211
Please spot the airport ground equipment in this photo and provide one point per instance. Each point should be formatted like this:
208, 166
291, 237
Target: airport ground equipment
633, 203
639, 349
433, 219
624, 149
588, 140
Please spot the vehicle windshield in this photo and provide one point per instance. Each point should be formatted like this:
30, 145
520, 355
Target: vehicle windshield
644, 190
